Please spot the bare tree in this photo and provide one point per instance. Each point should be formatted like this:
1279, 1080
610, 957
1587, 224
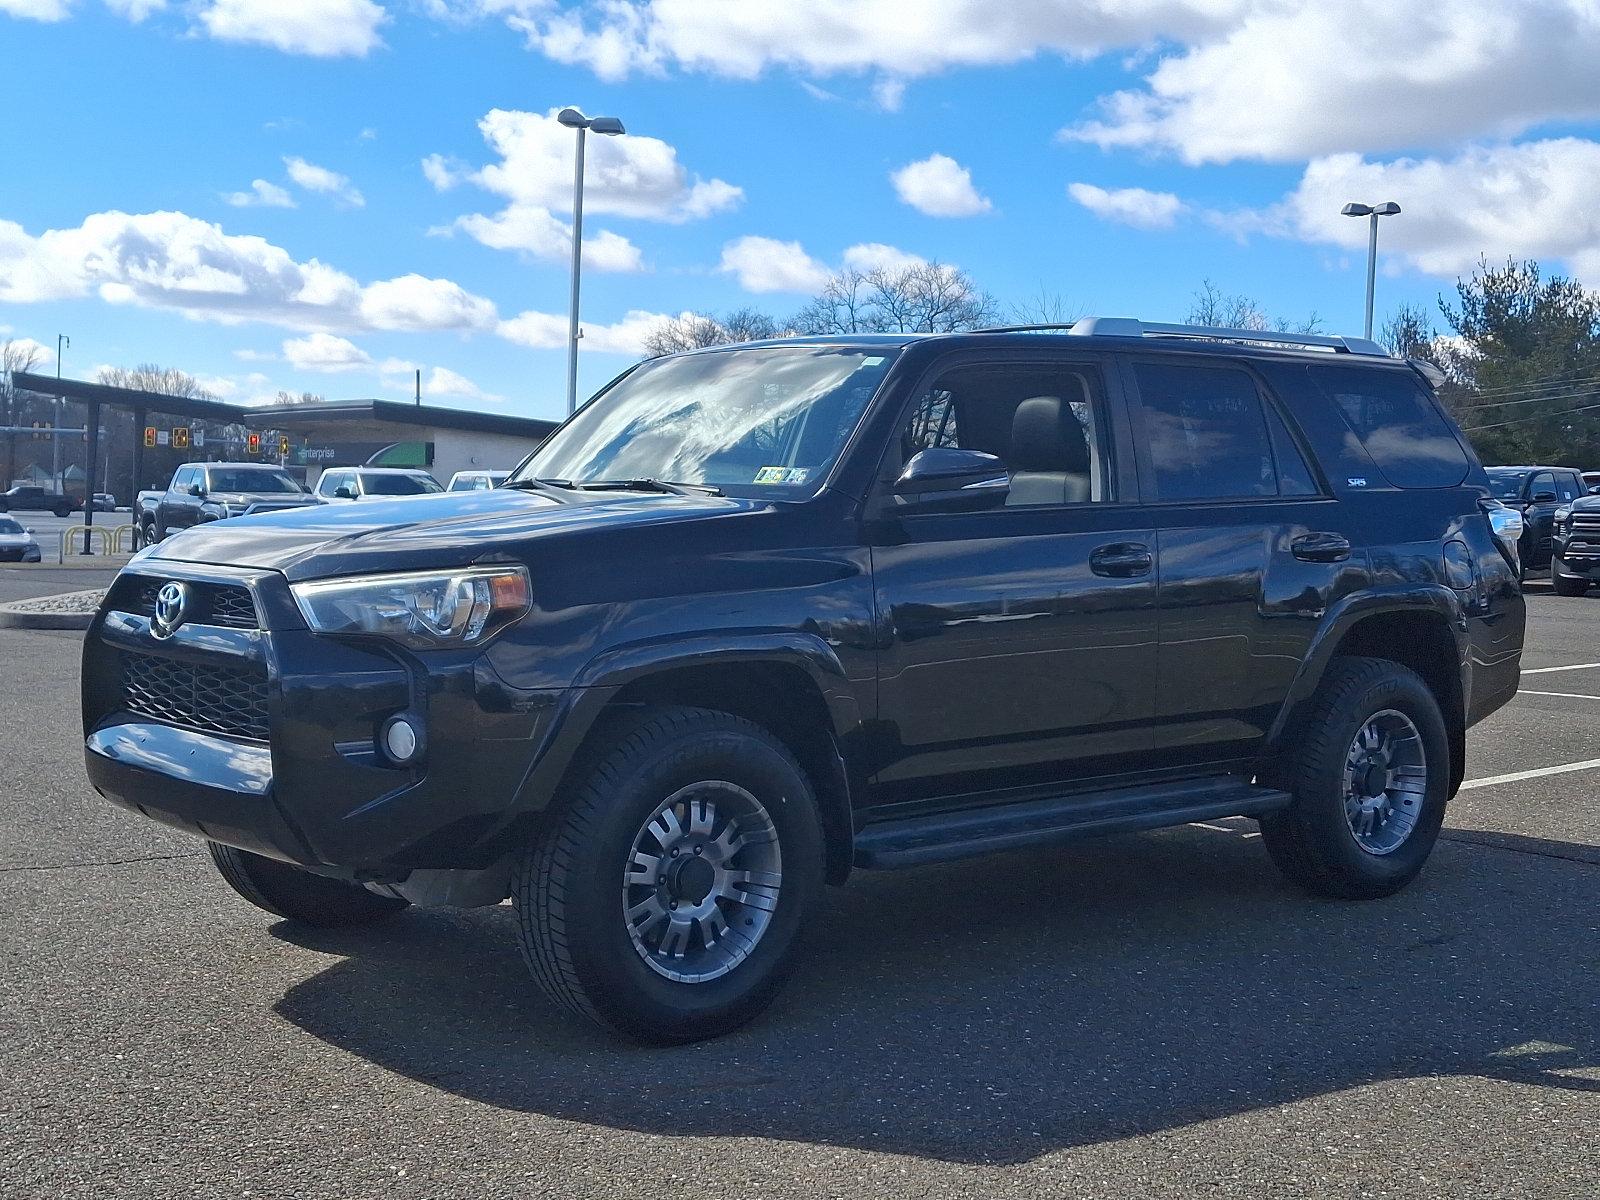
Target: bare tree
695, 330
19, 354
922, 298
1214, 307
1409, 332
288, 399
149, 377
1044, 308
15, 355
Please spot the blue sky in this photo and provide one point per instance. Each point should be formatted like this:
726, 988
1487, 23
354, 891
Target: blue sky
1112, 154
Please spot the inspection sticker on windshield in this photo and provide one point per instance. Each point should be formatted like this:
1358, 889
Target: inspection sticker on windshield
782, 474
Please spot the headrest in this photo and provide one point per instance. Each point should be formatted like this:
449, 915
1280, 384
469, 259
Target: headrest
1046, 436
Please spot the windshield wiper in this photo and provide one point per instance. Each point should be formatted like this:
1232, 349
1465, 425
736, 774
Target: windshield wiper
664, 486
550, 487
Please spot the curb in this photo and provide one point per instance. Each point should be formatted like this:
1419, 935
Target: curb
20, 614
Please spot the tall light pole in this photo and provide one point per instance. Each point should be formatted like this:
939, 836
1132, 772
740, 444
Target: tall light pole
573, 119
63, 342
1372, 211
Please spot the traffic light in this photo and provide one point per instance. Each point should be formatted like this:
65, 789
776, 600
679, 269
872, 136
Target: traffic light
253, 443
180, 438
149, 437
283, 445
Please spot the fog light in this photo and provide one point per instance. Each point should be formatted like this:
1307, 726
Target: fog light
401, 740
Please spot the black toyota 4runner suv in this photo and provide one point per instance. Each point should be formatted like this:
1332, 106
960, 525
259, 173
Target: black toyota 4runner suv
757, 616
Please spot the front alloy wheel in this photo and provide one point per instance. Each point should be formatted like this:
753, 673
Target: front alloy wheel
702, 882
1385, 782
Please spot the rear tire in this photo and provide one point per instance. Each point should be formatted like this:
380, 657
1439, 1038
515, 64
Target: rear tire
1364, 819
684, 823
296, 894
1565, 586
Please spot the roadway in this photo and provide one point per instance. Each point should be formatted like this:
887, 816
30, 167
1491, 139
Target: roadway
1151, 1016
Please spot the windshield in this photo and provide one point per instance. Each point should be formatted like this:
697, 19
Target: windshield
225, 480
477, 483
398, 485
7, 525
752, 422
1506, 485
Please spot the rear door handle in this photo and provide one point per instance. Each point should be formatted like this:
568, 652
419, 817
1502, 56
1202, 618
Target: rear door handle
1121, 560
1321, 547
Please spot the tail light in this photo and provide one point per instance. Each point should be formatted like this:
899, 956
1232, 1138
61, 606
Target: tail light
1507, 525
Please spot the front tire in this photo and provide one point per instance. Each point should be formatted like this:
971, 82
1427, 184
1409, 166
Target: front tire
1370, 777
298, 895
663, 898
1565, 586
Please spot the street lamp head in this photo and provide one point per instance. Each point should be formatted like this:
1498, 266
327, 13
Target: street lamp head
606, 125
1357, 210
572, 119
1387, 209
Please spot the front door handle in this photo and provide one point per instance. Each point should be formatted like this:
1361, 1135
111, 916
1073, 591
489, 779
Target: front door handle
1321, 547
1121, 560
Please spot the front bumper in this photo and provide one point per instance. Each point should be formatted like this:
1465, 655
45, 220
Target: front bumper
1577, 555
265, 738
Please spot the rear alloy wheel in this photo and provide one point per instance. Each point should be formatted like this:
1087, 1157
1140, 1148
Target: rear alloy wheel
297, 894
1370, 775
664, 895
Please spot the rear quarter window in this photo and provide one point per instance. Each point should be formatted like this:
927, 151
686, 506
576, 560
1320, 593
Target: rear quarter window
1397, 423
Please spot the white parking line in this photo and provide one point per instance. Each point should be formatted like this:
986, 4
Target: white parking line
1568, 695
1573, 667
1516, 776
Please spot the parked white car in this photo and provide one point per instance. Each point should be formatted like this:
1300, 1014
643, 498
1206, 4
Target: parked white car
476, 481
339, 484
16, 543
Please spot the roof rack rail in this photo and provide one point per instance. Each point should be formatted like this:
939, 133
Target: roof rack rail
1131, 327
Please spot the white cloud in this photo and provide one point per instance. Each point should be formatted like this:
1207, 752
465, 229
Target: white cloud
135, 10
547, 331
169, 260
325, 352
628, 176
637, 177
764, 264
320, 179
1295, 80
442, 381
44, 357
939, 186
740, 39
537, 233
320, 28
1535, 200
415, 302
873, 256
444, 173
37, 10
224, 387
261, 194
889, 94
1129, 206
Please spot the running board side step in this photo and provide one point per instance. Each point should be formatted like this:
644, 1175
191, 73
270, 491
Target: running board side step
912, 841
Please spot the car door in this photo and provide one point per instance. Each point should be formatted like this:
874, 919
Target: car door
180, 509
1540, 501
1017, 641
1251, 549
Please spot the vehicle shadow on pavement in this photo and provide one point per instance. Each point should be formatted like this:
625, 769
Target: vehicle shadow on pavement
994, 1010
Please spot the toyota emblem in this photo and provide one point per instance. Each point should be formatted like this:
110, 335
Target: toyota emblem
171, 602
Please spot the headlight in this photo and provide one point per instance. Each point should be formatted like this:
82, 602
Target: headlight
1562, 515
424, 610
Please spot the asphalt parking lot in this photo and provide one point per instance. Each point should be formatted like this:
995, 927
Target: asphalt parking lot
1151, 1016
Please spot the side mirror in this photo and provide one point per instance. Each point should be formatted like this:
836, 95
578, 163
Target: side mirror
948, 479
1595, 490
345, 492
1544, 498
197, 489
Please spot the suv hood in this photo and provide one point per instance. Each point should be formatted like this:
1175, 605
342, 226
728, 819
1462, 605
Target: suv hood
451, 529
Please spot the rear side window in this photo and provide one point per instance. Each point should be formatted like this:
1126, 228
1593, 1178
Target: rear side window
1206, 433
1398, 424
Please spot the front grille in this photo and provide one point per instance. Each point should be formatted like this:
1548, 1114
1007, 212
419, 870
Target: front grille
212, 603
212, 699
